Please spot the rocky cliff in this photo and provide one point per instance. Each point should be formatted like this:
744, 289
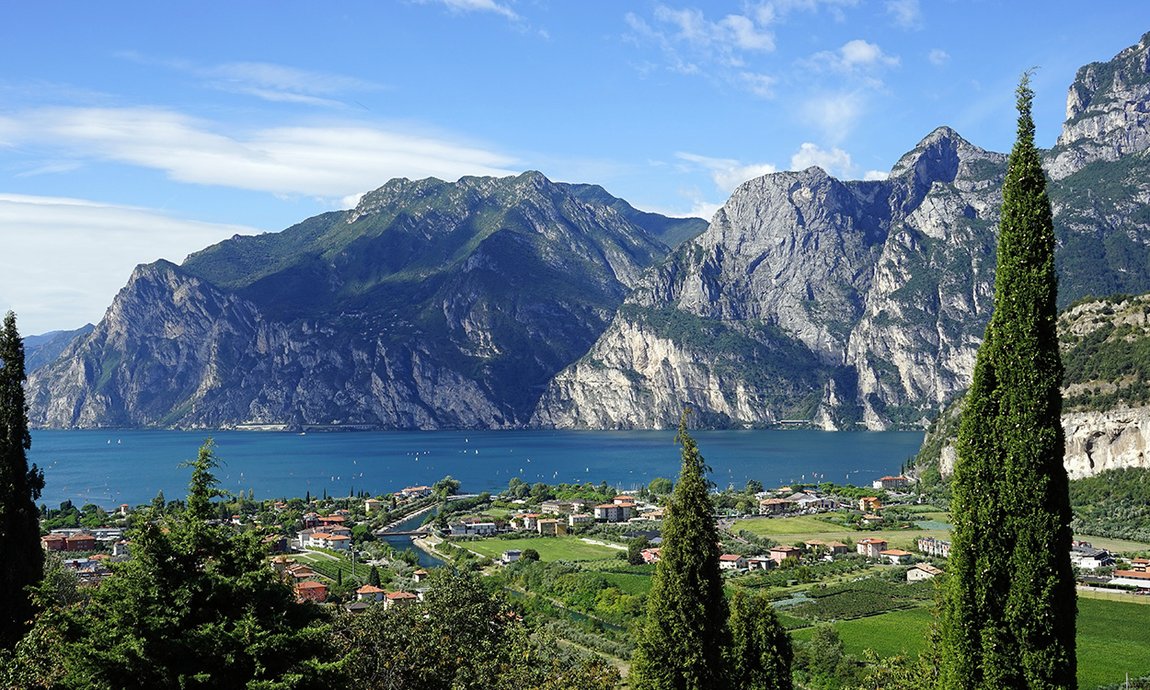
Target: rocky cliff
1105, 345
429, 305
836, 303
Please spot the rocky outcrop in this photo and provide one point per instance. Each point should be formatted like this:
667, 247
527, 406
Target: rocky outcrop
1100, 441
1107, 113
872, 297
430, 305
808, 300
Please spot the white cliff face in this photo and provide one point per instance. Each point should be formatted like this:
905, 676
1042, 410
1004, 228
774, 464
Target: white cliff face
874, 296
1110, 440
826, 302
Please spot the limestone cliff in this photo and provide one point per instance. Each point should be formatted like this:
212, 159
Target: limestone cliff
836, 303
429, 305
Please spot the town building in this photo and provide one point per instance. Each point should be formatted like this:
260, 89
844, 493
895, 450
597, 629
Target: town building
934, 547
579, 519
732, 561
871, 547
888, 482
896, 556
614, 512
779, 554
399, 599
551, 527
922, 571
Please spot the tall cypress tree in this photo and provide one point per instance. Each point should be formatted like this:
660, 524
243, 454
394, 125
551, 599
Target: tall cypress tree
21, 559
1009, 616
681, 643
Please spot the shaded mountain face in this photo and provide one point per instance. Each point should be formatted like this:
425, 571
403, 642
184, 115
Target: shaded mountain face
838, 304
429, 305
45, 348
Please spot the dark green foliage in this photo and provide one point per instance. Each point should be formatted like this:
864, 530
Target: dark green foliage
196, 606
1113, 504
1109, 365
461, 636
681, 643
760, 654
21, 559
1009, 617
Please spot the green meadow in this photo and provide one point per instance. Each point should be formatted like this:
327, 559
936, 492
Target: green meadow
549, 548
1113, 638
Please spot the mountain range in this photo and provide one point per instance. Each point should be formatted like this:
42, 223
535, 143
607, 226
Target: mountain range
519, 301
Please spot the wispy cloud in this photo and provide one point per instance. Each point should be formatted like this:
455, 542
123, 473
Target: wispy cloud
93, 248
856, 57
835, 113
938, 57
727, 173
479, 6
267, 81
691, 42
330, 162
905, 13
835, 161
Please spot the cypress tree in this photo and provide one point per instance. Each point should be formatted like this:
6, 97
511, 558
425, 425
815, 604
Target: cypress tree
681, 643
1009, 614
21, 558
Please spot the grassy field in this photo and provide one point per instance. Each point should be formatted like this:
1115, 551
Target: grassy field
789, 530
549, 548
1113, 638
1114, 545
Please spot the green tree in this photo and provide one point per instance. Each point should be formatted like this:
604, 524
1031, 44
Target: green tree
760, 654
373, 577
21, 558
462, 636
448, 486
661, 486
680, 645
196, 606
1009, 615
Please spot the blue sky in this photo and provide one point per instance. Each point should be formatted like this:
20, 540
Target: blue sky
132, 131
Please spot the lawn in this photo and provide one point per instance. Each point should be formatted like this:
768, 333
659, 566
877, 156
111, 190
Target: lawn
1115, 545
549, 548
1113, 638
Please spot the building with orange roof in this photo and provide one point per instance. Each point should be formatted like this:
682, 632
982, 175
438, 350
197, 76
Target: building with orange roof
310, 590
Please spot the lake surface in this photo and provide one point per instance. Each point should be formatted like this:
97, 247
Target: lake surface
113, 467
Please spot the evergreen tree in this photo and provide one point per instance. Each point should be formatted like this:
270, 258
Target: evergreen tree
1009, 616
760, 654
196, 606
373, 577
681, 643
21, 558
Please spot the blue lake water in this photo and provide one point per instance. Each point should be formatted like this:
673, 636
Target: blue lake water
113, 467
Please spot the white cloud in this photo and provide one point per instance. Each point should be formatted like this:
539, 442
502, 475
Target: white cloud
938, 57
835, 113
267, 81
761, 85
905, 13
835, 161
875, 175
328, 162
65, 259
853, 57
732, 33
481, 6
727, 173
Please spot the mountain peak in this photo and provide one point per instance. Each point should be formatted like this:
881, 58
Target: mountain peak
1107, 112
936, 157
